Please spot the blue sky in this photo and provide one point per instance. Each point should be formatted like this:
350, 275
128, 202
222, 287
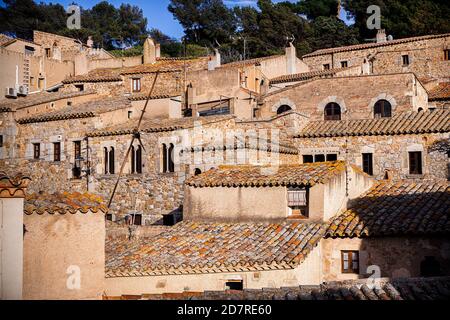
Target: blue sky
156, 12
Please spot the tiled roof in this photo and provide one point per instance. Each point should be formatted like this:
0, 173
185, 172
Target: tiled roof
440, 92
305, 76
97, 75
307, 174
84, 110
63, 203
4, 39
165, 65
39, 98
421, 289
141, 97
248, 62
191, 247
373, 45
403, 123
13, 184
396, 208
157, 125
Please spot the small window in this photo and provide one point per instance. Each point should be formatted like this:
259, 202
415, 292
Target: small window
36, 151
109, 217
368, 163
307, 158
234, 285
405, 60
326, 66
197, 171
130, 113
447, 54
40, 83
298, 202
111, 161
415, 162
255, 112
76, 170
344, 64
135, 219
136, 84
430, 267
1, 141
48, 52
350, 261
57, 151
168, 164
382, 109
80, 87
332, 157
332, 111
319, 158
136, 159
69, 103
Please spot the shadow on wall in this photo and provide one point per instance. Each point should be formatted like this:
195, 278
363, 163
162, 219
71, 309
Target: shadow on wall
402, 228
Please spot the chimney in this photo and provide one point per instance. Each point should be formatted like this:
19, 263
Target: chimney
381, 36
12, 194
149, 51
291, 59
158, 51
215, 61
90, 42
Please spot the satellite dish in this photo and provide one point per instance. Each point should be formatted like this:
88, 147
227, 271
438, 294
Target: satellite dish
390, 38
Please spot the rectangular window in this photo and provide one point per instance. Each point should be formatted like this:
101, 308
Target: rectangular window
447, 54
36, 151
350, 261
1, 141
47, 52
234, 285
298, 202
307, 158
405, 60
57, 151
332, 157
130, 113
326, 66
109, 217
319, 158
344, 64
368, 163
80, 87
415, 162
77, 159
136, 219
255, 113
40, 83
136, 83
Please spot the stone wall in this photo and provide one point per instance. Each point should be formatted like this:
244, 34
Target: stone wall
390, 153
426, 58
356, 96
396, 257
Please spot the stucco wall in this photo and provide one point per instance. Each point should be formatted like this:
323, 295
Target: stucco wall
52, 244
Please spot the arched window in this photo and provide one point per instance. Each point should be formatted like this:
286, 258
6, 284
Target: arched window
197, 171
382, 109
164, 158
105, 157
284, 108
332, 111
420, 109
171, 165
111, 161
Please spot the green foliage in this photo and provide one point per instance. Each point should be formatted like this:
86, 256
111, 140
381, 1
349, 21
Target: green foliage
314, 9
131, 52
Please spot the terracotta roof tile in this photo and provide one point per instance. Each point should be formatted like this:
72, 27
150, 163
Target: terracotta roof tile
63, 203
13, 184
192, 247
305, 76
256, 176
437, 288
248, 62
39, 98
157, 125
374, 45
84, 110
167, 65
440, 92
403, 123
97, 75
4, 39
396, 208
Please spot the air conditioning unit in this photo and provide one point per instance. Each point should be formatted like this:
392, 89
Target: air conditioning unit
22, 90
11, 93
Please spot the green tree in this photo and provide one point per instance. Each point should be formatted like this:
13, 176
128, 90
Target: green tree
317, 8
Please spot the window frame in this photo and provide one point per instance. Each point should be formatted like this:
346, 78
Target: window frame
296, 206
57, 151
332, 112
344, 64
136, 84
415, 162
351, 254
382, 109
446, 54
36, 150
405, 60
369, 167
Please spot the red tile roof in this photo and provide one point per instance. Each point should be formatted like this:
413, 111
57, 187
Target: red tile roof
440, 92
305, 76
13, 184
97, 75
396, 209
373, 45
307, 174
248, 62
63, 203
191, 247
